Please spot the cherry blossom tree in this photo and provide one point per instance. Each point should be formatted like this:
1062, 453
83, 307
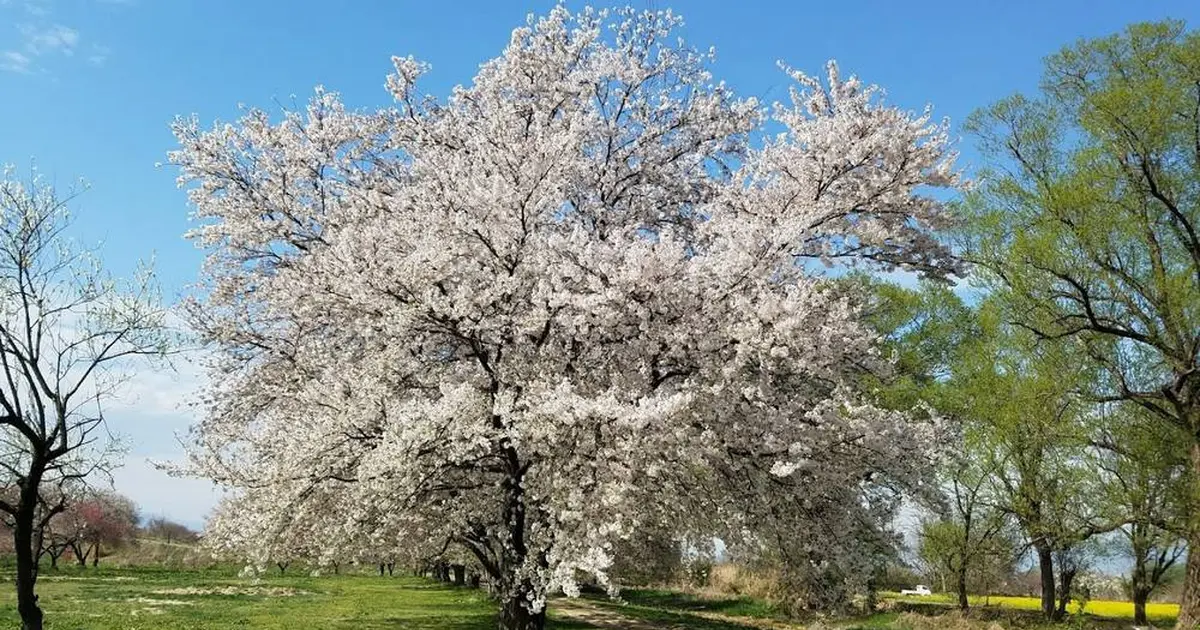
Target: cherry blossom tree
572, 300
68, 332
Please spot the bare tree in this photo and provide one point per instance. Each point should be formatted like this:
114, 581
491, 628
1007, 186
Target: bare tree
65, 529
68, 334
169, 531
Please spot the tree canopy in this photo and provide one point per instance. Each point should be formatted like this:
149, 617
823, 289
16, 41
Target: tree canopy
570, 301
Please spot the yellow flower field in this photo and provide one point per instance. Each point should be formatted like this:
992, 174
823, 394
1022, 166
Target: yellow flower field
1099, 608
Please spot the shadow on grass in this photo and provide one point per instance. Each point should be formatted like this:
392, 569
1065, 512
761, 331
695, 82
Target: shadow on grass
686, 602
661, 618
873, 622
482, 622
568, 624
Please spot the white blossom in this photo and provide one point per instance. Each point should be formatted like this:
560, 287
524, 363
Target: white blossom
570, 300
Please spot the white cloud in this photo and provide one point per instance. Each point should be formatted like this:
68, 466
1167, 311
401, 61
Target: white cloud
150, 415
52, 39
156, 493
99, 55
151, 410
36, 8
40, 38
39, 42
13, 61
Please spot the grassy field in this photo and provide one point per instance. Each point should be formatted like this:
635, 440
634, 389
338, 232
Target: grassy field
168, 600
136, 599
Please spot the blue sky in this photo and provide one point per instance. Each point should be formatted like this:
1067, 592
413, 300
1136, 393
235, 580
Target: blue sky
89, 87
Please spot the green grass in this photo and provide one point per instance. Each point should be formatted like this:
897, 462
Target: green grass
212, 599
135, 599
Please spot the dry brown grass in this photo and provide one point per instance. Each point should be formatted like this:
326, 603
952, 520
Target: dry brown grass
149, 552
730, 579
953, 620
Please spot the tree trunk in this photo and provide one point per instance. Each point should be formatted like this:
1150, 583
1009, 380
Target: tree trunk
872, 600
96, 554
23, 537
514, 612
961, 586
1064, 593
27, 604
1189, 602
1137, 585
1046, 566
515, 615
460, 574
1139, 607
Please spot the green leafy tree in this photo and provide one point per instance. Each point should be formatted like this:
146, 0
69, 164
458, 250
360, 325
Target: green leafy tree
927, 331
1019, 430
1088, 221
1146, 486
968, 540
1028, 427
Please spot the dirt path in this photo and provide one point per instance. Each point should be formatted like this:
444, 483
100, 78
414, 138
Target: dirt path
581, 610
610, 618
